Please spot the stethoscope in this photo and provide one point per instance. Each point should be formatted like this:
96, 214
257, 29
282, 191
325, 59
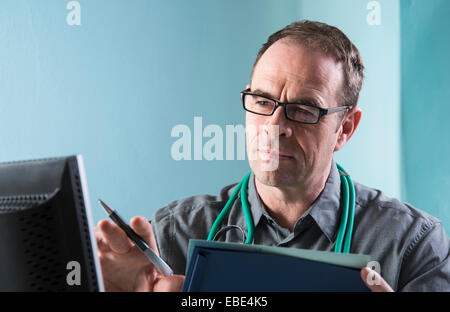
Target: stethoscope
344, 236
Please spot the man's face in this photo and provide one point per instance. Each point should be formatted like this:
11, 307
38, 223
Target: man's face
288, 72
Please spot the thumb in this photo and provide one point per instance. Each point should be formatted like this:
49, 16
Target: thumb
144, 229
169, 283
374, 281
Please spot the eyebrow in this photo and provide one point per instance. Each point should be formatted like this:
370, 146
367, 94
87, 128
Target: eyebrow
305, 100
260, 92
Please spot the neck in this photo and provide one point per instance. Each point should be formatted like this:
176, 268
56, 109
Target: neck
286, 204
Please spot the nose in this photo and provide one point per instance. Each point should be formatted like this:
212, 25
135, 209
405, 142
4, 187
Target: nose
279, 119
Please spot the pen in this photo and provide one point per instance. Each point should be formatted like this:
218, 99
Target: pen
159, 263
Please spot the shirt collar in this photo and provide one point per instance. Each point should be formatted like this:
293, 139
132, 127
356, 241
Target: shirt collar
255, 203
324, 211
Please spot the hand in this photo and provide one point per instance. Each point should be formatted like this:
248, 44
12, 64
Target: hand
374, 281
124, 267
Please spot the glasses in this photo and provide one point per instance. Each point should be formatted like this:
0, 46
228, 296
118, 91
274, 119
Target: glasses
305, 113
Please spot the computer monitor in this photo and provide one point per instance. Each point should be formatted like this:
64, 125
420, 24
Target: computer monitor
46, 228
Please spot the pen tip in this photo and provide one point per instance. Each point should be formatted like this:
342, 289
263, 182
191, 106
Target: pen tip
105, 206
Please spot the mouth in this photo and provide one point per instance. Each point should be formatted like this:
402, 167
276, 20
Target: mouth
274, 155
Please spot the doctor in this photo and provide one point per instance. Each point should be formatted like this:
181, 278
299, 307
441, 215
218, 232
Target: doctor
298, 204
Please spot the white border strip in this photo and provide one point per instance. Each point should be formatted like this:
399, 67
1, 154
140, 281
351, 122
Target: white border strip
87, 205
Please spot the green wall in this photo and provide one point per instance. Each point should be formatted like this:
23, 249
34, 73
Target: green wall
425, 94
114, 87
372, 156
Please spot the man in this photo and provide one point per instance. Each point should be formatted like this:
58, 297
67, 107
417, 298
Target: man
298, 203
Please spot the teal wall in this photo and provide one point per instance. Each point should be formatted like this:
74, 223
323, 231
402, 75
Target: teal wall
425, 97
113, 88
372, 156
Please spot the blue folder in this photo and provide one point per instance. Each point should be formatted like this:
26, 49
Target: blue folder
213, 268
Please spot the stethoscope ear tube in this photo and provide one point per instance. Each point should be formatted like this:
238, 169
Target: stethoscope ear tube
246, 208
241, 187
344, 237
224, 212
351, 216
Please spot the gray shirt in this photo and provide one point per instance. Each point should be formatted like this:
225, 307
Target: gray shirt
410, 245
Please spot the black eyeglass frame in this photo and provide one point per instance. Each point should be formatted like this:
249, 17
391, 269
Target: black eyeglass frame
322, 111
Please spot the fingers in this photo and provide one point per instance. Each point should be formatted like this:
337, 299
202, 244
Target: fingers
114, 237
144, 229
374, 281
172, 283
101, 243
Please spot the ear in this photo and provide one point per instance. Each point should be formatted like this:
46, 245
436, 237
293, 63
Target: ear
348, 127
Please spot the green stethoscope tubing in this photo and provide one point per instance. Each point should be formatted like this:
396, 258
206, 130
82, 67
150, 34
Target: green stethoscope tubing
242, 187
344, 236
348, 213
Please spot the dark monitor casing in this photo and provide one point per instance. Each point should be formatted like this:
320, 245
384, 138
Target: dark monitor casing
45, 224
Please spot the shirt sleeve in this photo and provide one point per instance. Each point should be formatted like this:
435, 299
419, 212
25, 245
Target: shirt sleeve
426, 263
163, 229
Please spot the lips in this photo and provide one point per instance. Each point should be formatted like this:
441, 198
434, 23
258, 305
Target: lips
276, 154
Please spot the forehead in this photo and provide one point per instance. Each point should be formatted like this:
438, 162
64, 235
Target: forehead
288, 71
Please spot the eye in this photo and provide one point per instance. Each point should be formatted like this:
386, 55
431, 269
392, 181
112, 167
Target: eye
263, 103
300, 110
